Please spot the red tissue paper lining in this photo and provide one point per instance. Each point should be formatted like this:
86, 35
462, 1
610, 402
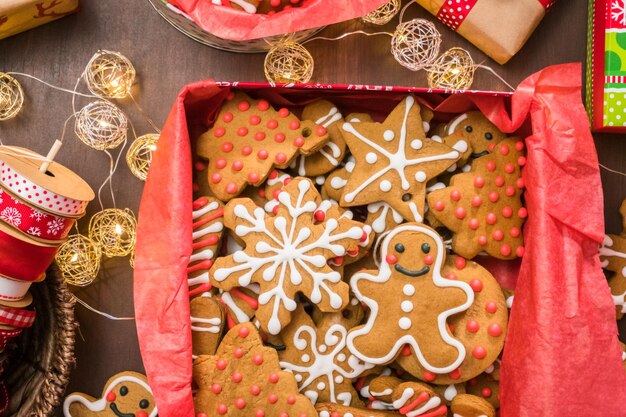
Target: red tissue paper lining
237, 25
562, 356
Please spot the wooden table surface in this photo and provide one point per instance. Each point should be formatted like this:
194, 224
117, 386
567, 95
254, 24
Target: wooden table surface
165, 60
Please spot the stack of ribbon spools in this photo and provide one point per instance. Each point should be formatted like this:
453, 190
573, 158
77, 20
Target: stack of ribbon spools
40, 201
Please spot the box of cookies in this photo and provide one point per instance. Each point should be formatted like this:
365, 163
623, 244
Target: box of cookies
369, 251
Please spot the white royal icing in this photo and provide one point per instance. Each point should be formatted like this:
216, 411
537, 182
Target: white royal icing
380, 222
455, 123
450, 392
247, 7
214, 322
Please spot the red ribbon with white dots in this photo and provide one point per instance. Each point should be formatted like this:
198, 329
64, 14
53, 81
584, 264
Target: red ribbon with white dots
453, 12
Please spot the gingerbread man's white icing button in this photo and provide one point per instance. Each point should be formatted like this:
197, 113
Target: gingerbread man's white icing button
408, 289
406, 306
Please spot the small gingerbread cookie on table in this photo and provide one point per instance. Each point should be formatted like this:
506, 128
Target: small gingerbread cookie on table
124, 394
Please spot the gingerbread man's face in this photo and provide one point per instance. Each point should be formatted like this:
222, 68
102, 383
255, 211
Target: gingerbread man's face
413, 254
478, 131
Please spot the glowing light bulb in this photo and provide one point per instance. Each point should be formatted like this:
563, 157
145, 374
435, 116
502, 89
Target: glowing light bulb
118, 229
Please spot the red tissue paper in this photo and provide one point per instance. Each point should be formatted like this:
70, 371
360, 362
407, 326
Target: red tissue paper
237, 25
562, 356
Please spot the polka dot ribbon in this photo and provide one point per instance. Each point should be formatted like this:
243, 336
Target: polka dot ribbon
30, 221
453, 12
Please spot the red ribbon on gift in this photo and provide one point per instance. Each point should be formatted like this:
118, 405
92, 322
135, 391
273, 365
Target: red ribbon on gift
22, 260
31, 221
453, 12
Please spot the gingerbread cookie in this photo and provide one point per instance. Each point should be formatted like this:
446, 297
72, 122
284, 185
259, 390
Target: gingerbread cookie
324, 113
486, 387
208, 223
466, 405
337, 180
359, 118
351, 316
287, 253
483, 207
414, 399
249, 138
394, 160
422, 299
480, 134
337, 410
124, 394
481, 328
320, 360
448, 392
207, 324
382, 217
241, 303
613, 258
244, 379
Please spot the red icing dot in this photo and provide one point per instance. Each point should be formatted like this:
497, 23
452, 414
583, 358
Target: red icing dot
273, 378
439, 206
242, 131
428, 259
479, 352
364, 237
279, 137
200, 166
227, 117
460, 262
479, 182
221, 364
494, 330
281, 158
253, 177
319, 215
477, 201
227, 147
298, 142
111, 396
494, 196
240, 403
452, 276
509, 168
273, 175
237, 165
231, 188
263, 105
514, 232
491, 165
455, 195
472, 326
406, 350
519, 145
255, 120
201, 415
486, 392
491, 218
272, 124
246, 150
272, 398
291, 399
504, 150
141, 414
244, 332
259, 136
497, 235
429, 376
519, 183
222, 409
283, 415
522, 213
459, 213
492, 146
259, 413
338, 260
521, 161
219, 132
283, 112
482, 240
320, 131
286, 181
216, 178
456, 374
243, 106
507, 211
391, 259
263, 154
238, 353
499, 181
294, 124
519, 251
255, 390
509, 190
216, 388
505, 250
477, 285
491, 307
473, 224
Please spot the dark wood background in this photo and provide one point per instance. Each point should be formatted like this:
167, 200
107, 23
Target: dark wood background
165, 60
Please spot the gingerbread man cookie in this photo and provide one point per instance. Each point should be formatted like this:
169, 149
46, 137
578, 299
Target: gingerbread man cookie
422, 299
480, 134
124, 394
287, 253
394, 160
248, 139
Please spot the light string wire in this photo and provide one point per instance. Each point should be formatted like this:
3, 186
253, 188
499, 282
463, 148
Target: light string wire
612, 170
101, 313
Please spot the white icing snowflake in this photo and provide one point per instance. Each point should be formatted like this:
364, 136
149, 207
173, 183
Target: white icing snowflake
287, 254
34, 231
618, 11
11, 216
37, 215
55, 226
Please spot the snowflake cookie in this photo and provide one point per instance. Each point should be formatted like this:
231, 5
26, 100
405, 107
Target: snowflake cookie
287, 253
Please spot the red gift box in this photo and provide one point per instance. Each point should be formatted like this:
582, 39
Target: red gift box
562, 356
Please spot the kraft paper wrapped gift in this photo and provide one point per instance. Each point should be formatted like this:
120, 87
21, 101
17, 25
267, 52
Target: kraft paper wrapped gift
498, 27
19, 15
